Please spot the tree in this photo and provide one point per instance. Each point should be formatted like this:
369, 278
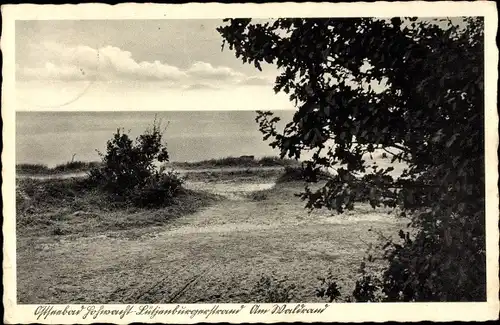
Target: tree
408, 87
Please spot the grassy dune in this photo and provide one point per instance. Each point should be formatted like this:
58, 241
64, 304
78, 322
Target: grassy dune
69, 206
82, 166
41, 169
236, 162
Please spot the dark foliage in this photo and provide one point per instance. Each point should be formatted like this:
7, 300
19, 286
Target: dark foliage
329, 289
299, 173
411, 88
129, 169
160, 189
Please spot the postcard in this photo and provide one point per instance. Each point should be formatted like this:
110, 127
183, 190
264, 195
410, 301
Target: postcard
250, 163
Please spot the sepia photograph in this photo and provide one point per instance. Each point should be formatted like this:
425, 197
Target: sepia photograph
210, 167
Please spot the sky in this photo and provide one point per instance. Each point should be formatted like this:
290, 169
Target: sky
167, 64
135, 65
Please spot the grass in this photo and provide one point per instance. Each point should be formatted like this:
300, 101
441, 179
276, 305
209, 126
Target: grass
242, 161
41, 169
236, 162
70, 206
245, 175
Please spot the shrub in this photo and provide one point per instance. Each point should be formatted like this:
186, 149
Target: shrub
159, 190
128, 170
329, 288
368, 286
299, 173
291, 174
446, 252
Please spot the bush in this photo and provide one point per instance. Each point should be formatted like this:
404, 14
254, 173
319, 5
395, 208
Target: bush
159, 190
291, 174
447, 252
299, 173
128, 171
329, 288
440, 261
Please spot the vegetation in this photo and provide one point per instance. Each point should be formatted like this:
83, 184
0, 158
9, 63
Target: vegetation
243, 161
244, 237
236, 162
128, 170
221, 174
366, 84
75, 206
292, 174
436, 130
69, 167
126, 179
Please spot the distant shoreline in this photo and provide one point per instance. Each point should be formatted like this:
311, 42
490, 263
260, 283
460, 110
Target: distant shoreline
81, 166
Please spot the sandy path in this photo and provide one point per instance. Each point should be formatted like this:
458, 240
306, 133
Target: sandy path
221, 251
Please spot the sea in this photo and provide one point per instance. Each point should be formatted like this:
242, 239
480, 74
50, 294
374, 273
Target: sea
52, 138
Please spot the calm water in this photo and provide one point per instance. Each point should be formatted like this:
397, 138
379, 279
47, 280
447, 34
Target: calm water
53, 137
